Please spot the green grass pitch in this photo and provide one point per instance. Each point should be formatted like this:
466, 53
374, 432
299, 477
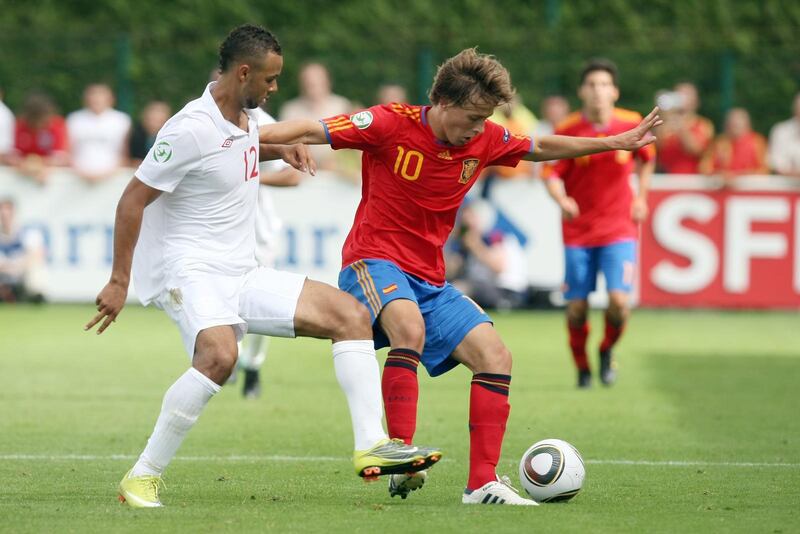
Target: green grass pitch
701, 434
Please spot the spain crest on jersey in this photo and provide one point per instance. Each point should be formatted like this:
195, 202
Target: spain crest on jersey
468, 168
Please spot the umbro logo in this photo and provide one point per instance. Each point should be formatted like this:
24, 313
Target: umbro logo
444, 155
228, 142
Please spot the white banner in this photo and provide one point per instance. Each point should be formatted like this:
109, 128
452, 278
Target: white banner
77, 219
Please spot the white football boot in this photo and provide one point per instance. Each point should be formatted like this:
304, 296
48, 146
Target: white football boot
405, 483
497, 491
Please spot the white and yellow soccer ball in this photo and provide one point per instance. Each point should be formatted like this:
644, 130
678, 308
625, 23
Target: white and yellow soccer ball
552, 470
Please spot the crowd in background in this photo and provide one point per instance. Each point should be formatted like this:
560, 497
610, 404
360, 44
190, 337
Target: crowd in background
485, 256
97, 140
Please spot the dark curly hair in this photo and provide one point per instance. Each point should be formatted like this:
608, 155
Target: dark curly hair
246, 42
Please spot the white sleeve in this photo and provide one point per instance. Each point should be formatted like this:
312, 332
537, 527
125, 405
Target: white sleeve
174, 155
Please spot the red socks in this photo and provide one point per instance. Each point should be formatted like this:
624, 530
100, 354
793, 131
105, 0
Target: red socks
613, 332
577, 342
400, 393
488, 413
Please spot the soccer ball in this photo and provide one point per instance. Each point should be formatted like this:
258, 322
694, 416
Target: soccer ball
551, 470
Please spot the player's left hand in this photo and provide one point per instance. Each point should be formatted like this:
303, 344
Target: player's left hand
299, 157
639, 136
639, 210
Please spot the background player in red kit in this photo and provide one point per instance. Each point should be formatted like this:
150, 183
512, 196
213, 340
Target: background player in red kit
418, 164
601, 214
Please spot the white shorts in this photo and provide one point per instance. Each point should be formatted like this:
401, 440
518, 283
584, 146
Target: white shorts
263, 301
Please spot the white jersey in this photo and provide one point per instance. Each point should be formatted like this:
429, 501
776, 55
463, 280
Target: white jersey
6, 129
204, 221
97, 141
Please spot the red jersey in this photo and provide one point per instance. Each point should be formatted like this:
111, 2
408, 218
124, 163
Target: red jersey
746, 154
413, 183
44, 141
599, 183
673, 158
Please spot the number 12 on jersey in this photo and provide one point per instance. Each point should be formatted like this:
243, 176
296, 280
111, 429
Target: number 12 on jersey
250, 163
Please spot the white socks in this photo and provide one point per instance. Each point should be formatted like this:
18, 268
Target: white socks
182, 405
359, 377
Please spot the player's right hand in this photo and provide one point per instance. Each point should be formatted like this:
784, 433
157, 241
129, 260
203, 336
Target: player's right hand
109, 303
569, 208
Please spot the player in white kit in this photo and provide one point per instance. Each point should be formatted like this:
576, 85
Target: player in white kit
275, 173
191, 205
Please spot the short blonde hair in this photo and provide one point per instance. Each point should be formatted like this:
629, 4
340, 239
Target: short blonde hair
469, 77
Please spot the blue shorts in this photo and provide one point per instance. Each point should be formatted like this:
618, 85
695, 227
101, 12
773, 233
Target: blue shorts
616, 261
449, 315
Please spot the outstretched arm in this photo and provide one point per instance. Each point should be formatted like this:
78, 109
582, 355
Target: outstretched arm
551, 147
307, 132
128, 222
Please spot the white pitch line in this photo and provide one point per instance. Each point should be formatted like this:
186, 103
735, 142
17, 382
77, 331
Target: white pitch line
285, 458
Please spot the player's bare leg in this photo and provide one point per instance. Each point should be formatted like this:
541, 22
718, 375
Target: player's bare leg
578, 328
616, 317
485, 354
214, 358
403, 324
325, 312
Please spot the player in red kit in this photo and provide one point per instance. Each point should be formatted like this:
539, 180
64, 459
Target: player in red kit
418, 164
601, 215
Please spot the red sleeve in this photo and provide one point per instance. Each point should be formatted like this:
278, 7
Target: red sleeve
556, 170
365, 130
59, 129
646, 153
506, 149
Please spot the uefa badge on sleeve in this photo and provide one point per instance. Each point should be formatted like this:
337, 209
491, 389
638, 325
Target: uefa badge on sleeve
162, 152
362, 119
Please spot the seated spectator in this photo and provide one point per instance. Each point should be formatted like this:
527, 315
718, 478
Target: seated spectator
98, 135
40, 139
784, 144
738, 151
6, 130
486, 259
317, 101
21, 259
554, 109
144, 132
391, 92
685, 135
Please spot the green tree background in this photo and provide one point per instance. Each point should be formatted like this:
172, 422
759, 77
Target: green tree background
743, 53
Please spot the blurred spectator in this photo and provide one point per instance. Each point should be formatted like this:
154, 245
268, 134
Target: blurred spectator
518, 120
486, 259
40, 139
685, 135
21, 259
739, 150
391, 92
144, 132
98, 135
317, 101
6, 130
784, 144
554, 109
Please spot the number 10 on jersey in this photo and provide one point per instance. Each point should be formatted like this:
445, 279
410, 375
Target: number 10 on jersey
408, 163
